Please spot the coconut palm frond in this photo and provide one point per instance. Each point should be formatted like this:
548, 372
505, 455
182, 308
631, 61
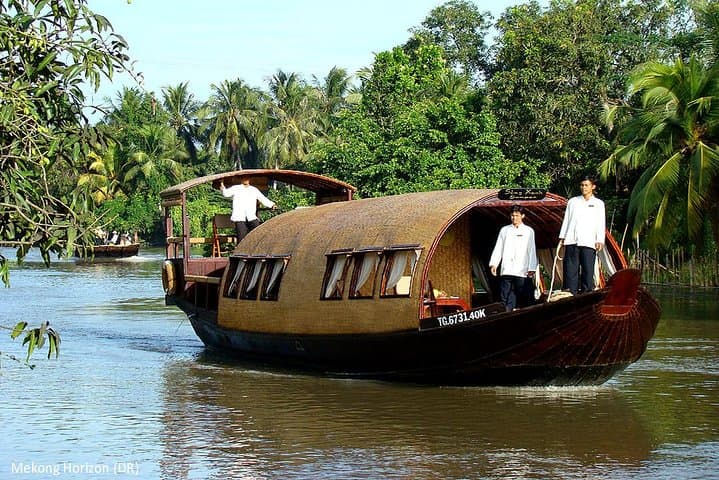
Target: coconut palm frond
673, 136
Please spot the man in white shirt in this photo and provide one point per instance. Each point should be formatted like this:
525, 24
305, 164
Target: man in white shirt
244, 206
517, 254
582, 235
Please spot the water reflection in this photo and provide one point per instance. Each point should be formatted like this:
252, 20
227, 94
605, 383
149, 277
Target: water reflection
256, 424
133, 383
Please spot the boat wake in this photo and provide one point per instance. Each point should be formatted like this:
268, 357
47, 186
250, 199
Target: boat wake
136, 259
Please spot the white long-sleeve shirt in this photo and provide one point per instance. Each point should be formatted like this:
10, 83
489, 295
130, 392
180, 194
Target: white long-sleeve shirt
244, 202
515, 250
584, 222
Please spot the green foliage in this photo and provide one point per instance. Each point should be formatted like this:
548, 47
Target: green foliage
4, 271
201, 208
420, 120
554, 70
412, 134
35, 338
231, 121
125, 177
182, 110
460, 29
149, 153
331, 95
137, 214
673, 137
51, 49
707, 33
289, 198
294, 120
399, 79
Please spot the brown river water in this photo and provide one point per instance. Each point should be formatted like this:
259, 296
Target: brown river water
135, 395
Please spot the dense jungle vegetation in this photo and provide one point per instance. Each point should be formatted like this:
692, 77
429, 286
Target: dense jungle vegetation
624, 89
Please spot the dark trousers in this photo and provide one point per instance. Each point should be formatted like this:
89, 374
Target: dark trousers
579, 268
514, 291
245, 227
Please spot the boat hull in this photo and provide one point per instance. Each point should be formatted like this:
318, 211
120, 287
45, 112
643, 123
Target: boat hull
113, 251
568, 342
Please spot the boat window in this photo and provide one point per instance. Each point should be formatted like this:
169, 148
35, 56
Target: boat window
274, 270
234, 274
398, 271
250, 284
338, 262
364, 273
253, 276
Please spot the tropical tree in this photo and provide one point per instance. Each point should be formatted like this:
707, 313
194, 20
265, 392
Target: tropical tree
182, 109
556, 66
145, 157
293, 121
51, 51
103, 178
159, 153
411, 132
460, 29
708, 29
673, 136
333, 89
130, 111
332, 95
232, 119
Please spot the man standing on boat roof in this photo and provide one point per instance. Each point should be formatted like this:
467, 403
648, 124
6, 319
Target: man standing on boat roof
516, 252
244, 206
582, 235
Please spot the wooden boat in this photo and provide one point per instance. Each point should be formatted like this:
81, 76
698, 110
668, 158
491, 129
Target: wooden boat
112, 251
349, 288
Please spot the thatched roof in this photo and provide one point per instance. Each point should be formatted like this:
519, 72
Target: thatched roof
410, 218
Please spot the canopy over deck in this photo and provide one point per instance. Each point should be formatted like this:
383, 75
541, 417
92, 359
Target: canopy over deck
326, 189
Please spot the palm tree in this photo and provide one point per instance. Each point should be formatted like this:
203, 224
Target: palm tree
232, 119
104, 177
182, 109
452, 84
331, 95
160, 151
708, 28
294, 121
674, 137
333, 90
287, 90
132, 107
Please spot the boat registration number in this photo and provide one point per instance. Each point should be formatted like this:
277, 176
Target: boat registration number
460, 317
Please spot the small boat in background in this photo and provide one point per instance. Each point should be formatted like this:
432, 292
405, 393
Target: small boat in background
114, 251
397, 288
111, 246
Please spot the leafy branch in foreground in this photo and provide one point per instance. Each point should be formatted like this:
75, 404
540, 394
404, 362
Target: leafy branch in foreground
51, 51
35, 338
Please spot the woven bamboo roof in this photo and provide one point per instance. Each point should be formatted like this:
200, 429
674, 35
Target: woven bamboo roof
401, 219
324, 187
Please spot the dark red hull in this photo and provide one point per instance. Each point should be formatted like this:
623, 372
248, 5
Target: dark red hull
568, 342
115, 251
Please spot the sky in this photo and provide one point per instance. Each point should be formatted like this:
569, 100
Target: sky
205, 42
